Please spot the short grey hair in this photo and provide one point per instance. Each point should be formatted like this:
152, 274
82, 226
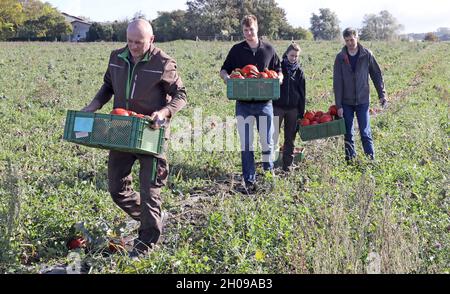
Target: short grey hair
348, 32
141, 25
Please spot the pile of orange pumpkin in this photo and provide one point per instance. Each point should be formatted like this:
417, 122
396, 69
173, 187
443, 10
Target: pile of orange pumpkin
124, 112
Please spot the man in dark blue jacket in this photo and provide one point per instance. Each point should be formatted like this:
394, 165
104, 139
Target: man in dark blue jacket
262, 55
352, 68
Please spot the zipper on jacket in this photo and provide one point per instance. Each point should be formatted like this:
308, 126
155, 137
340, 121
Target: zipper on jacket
358, 62
127, 89
135, 78
124, 55
129, 81
134, 86
289, 88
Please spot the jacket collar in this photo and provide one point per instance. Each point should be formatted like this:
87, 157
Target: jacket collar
361, 48
147, 56
246, 46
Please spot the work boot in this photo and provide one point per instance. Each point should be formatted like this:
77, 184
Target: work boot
140, 249
250, 187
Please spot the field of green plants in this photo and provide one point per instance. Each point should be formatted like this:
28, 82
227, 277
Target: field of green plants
324, 217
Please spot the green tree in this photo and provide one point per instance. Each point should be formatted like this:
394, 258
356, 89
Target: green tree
380, 27
220, 17
431, 37
288, 32
139, 15
94, 33
370, 27
47, 27
170, 26
100, 32
107, 32
211, 17
42, 22
325, 26
11, 17
120, 30
271, 18
302, 34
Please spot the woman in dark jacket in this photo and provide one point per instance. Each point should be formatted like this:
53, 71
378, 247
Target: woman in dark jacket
291, 105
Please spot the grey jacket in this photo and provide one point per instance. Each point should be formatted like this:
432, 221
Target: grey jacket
352, 88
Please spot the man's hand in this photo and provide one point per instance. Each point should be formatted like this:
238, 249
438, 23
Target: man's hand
340, 112
158, 118
92, 107
88, 109
225, 78
224, 75
280, 77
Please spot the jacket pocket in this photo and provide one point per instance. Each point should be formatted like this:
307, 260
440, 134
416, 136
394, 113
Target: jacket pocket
116, 65
152, 71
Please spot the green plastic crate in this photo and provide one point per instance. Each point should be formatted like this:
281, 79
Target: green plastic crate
299, 155
324, 130
113, 132
253, 89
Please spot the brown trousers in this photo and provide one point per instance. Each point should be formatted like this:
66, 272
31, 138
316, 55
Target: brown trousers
290, 130
143, 206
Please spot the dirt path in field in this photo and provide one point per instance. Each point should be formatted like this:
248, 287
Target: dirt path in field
423, 70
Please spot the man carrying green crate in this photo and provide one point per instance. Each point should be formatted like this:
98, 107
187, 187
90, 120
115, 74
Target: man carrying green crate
261, 54
352, 68
143, 79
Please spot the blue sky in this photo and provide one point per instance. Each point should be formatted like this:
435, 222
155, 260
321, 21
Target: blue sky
416, 16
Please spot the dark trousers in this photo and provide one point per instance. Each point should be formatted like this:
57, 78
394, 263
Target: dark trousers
143, 206
289, 116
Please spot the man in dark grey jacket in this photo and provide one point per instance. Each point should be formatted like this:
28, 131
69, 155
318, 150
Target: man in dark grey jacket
352, 68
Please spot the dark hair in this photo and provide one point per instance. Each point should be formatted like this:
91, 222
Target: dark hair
248, 20
294, 46
348, 32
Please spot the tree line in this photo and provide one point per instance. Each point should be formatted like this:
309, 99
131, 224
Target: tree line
31, 20
211, 19
220, 19
203, 19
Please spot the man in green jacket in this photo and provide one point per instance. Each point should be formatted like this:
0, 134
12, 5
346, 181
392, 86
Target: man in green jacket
352, 68
143, 79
